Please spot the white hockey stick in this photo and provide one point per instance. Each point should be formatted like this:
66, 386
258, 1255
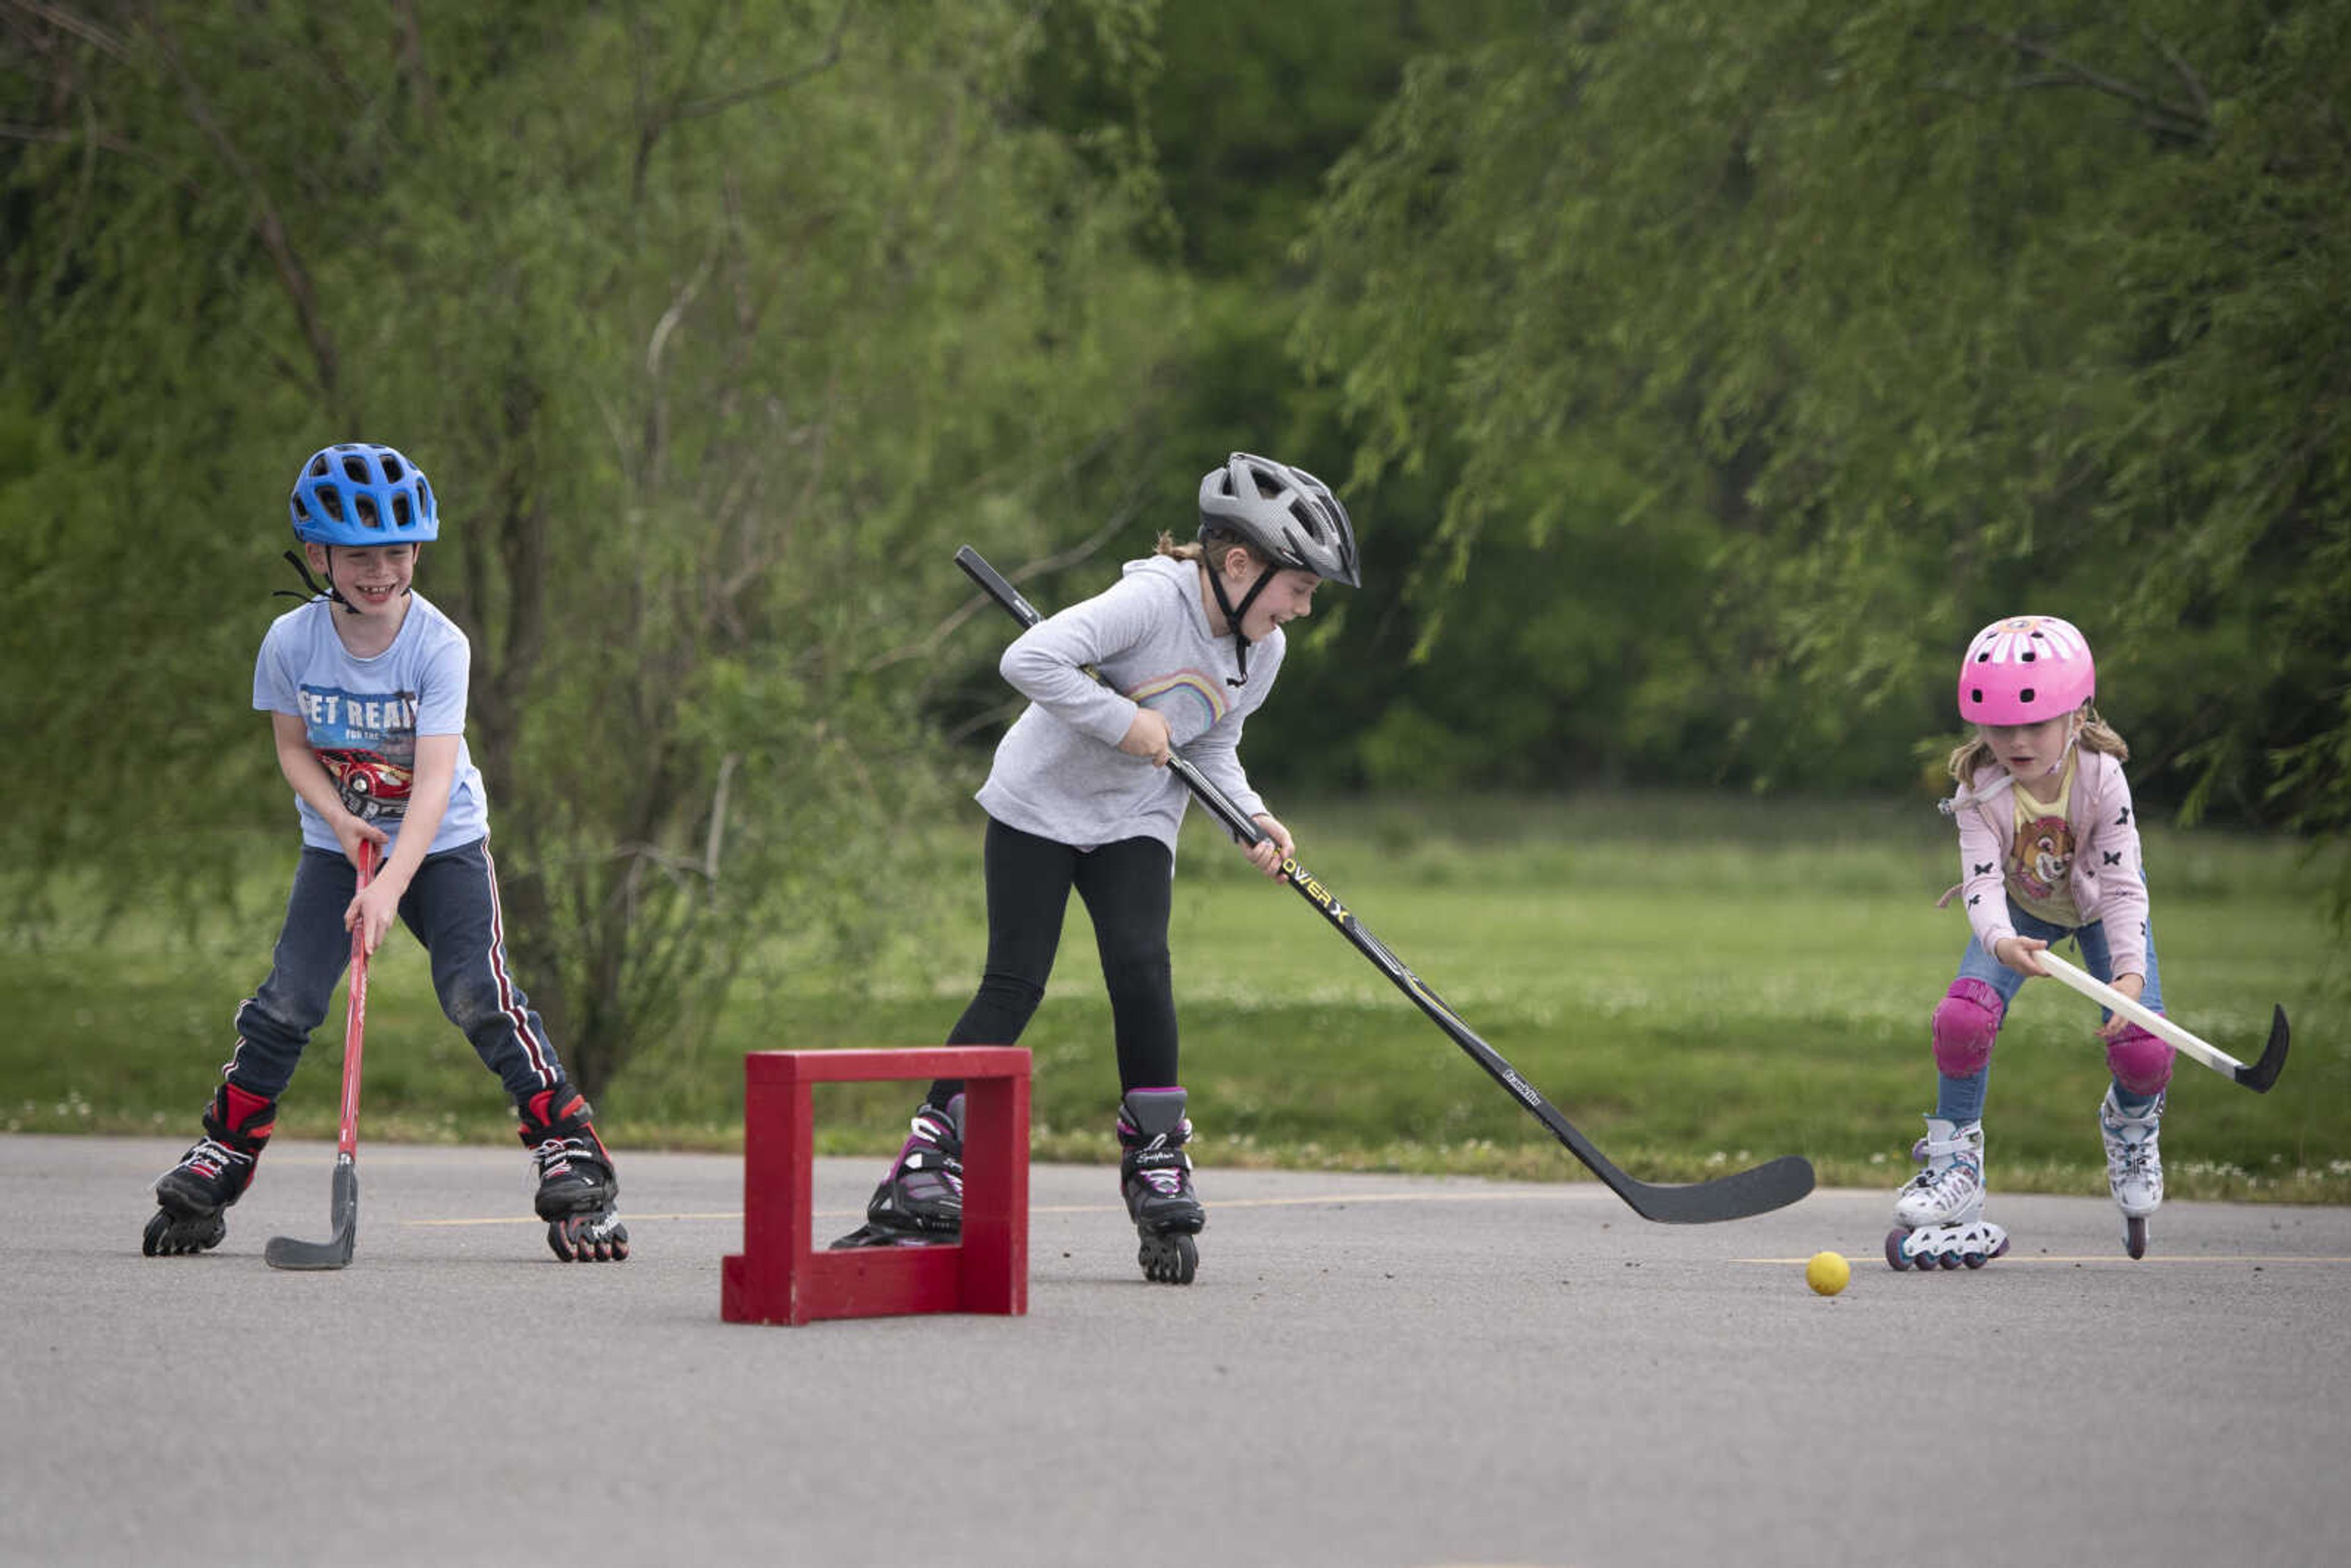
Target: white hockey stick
2257, 1078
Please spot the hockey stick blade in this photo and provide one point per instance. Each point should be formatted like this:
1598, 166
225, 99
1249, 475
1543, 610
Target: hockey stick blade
1742, 1194
2264, 1073
343, 1199
335, 1253
1772, 1184
2258, 1077
1775, 1183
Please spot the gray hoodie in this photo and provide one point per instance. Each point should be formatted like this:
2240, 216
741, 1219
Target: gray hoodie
1059, 772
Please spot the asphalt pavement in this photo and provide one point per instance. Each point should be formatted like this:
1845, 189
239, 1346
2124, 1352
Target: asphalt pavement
1373, 1372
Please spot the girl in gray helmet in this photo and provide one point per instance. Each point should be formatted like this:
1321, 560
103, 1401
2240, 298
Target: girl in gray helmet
1188, 642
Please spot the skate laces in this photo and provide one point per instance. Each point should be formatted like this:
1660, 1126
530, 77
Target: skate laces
2130, 1150
209, 1159
2130, 1141
1961, 1176
554, 1155
1168, 1180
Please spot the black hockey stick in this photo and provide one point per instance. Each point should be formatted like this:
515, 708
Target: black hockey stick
1775, 1184
343, 1200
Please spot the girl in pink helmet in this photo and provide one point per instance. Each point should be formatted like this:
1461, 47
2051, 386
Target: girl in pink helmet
2048, 848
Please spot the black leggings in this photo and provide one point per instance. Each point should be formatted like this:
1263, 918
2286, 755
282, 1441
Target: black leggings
1128, 890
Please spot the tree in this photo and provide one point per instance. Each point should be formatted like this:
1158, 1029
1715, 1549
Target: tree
714, 327
1882, 320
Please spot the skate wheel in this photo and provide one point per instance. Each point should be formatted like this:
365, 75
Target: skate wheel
1895, 1258
589, 1238
169, 1234
1948, 1260
1169, 1260
2135, 1237
1974, 1259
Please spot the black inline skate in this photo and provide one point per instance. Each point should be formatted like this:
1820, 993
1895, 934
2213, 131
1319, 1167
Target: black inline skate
213, 1175
577, 1186
1156, 1175
920, 1202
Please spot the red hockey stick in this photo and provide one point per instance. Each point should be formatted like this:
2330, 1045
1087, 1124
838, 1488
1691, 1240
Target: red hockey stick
285, 1251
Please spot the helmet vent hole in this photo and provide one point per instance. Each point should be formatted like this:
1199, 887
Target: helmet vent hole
369, 518
2025, 696
355, 469
2026, 657
332, 503
400, 511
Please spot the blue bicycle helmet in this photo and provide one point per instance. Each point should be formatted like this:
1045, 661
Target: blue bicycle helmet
357, 493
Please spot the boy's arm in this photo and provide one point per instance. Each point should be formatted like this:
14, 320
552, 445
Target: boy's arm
429, 783
316, 785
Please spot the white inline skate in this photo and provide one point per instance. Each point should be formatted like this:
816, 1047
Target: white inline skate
1938, 1213
2134, 1165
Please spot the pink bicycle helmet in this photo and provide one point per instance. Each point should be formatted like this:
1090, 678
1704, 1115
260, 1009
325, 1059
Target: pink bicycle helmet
2026, 668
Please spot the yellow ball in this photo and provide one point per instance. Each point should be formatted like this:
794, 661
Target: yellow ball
1828, 1273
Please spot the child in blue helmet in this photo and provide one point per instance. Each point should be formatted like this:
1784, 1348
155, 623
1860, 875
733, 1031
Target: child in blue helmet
365, 685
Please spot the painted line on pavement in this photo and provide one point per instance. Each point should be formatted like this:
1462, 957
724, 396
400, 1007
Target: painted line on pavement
2011, 1259
1330, 1200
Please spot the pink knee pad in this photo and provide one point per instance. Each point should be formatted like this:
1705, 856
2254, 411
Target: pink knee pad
2140, 1062
1966, 1021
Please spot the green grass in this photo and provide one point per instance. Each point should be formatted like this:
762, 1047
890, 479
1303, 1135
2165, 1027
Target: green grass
1697, 984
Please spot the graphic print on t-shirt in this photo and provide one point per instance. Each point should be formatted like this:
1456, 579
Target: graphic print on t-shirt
368, 742
2045, 854
1192, 692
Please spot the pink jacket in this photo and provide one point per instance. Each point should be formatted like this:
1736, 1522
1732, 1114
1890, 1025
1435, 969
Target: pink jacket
2106, 880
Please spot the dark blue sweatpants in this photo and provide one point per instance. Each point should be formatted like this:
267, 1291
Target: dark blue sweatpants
452, 906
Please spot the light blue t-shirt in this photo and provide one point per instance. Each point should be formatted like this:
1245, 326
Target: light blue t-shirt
363, 715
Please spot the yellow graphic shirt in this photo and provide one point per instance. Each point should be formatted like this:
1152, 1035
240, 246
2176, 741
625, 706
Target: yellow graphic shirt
2041, 861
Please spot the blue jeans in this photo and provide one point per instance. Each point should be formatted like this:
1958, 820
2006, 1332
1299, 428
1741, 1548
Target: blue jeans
1961, 1098
452, 906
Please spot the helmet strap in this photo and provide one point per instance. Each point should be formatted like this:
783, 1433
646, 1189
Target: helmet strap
295, 558
1233, 614
2075, 724
330, 591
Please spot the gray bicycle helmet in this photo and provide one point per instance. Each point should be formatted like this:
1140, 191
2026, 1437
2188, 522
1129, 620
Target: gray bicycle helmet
1285, 514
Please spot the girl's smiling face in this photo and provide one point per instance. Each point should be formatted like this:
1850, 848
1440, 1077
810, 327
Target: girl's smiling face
1288, 595
2030, 752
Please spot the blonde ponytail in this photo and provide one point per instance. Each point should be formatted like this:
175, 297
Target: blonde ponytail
2097, 734
1213, 546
